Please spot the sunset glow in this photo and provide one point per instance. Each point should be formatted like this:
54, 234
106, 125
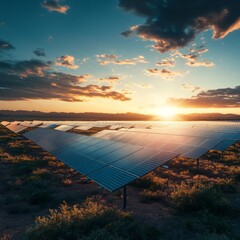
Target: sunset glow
167, 113
116, 57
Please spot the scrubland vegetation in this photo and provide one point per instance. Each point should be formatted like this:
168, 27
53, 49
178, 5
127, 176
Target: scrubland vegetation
178, 203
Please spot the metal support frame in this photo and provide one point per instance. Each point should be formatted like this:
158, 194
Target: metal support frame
124, 197
197, 162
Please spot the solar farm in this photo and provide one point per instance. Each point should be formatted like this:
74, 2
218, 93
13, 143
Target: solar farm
118, 154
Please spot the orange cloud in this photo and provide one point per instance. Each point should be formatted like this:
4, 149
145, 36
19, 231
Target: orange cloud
167, 62
110, 79
53, 5
217, 98
66, 61
105, 59
164, 73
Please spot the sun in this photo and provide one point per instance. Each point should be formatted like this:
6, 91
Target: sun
167, 112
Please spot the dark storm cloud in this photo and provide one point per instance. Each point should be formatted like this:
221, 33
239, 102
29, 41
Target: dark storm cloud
53, 5
218, 98
172, 24
24, 80
40, 52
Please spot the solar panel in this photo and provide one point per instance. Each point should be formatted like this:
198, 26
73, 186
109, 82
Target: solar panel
5, 123
224, 144
132, 160
152, 163
119, 153
48, 125
64, 128
16, 127
80, 162
87, 127
112, 178
106, 150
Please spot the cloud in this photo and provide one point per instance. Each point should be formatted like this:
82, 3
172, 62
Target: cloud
193, 57
110, 79
4, 45
105, 59
39, 52
66, 61
163, 73
172, 24
202, 63
192, 88
33, 79
217, 98
25, 68
53, 5
167, 62
143, 85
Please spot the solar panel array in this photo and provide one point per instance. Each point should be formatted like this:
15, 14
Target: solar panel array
188, 146
189, 142
114, 158
109, 163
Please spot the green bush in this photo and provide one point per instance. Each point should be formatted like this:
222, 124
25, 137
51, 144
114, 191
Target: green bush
200, 197
88, 221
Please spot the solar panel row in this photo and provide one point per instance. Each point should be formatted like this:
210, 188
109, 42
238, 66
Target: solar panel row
109, 163
188, 146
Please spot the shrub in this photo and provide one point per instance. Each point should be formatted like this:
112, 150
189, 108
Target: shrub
215, 224
199, 197
148, 196
88, 221
212, 236
144, 182
39, 196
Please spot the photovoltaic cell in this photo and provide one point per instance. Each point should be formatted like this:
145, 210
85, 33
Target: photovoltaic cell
118, 154
106, 150
80, 163
152, 163
224, 144
112, 178
132, 160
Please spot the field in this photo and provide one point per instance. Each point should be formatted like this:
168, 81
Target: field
174, 203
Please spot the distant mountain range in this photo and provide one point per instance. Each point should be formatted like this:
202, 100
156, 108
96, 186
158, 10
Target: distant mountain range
91, 116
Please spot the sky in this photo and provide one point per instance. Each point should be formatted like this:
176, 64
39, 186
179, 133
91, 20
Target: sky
117, 56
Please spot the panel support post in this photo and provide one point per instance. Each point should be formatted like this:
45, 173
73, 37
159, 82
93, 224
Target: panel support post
124, 199
197, 162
